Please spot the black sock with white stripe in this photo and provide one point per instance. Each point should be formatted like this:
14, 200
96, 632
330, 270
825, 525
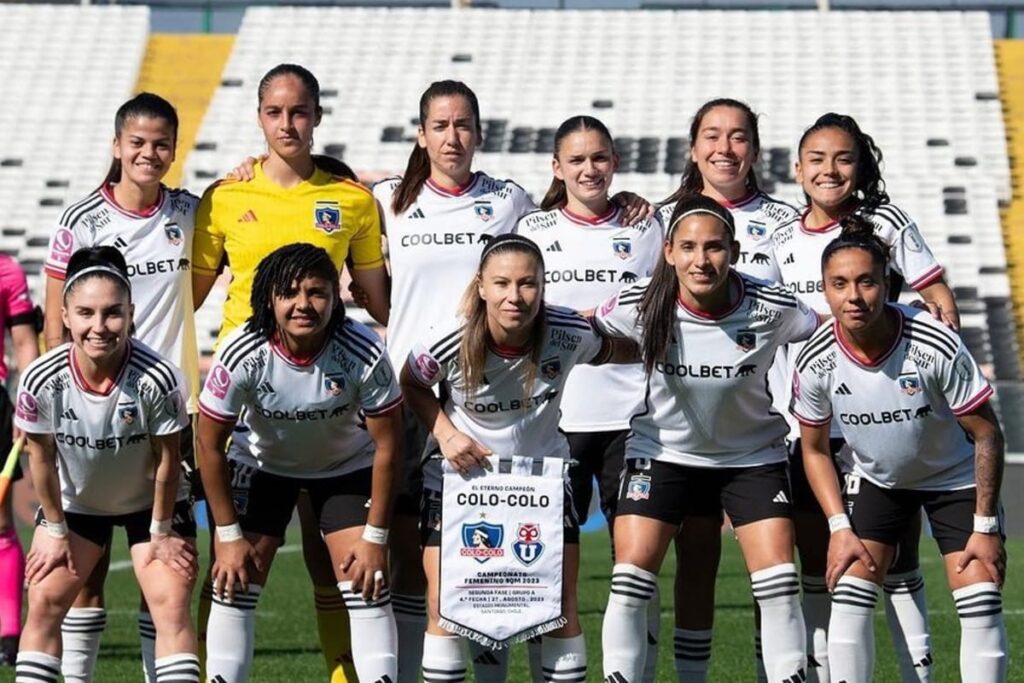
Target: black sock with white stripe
851, 630
489, 666
374, 635
653, 636
535, 657
147, 643
983, 646
817, 607
693, 654
179, 668
231, 635
564, 660
759, 673
624, 632
777, 592
411, 621
442, 659
81, 632
907, 614
36, 667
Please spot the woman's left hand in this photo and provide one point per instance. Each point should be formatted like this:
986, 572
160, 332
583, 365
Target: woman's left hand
368, 563
175, 552
634, 207
937, 313
46, 554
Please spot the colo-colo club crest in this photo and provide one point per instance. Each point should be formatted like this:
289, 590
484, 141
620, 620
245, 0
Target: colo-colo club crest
528, 546
482, 541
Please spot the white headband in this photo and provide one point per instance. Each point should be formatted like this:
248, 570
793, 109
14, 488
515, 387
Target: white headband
709, 212
96, 269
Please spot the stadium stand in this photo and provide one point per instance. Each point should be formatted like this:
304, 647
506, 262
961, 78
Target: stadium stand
923, 83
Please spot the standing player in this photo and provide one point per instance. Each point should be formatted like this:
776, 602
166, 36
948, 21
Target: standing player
707, 437
321, 399
19, 317
152, 227
913, 407
510, 345
104, 416
290, 199
724, 146
839, 168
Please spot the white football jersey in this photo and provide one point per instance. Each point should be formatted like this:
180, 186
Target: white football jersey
434, 248
708, 403
157, 246
585, 262
304, 418
104, 453
898, 413
499, 414
756, 217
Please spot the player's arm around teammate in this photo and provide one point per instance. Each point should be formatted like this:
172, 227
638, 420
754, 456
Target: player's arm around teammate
708, 439
105, 407
305, 375
914, 408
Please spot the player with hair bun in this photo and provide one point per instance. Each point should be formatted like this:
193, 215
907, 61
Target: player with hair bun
152, 226
839, 168
914, 411
321, 400
707, 437
103, 416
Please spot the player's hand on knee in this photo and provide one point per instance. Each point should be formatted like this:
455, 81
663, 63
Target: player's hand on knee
634, 207
47, 553
175, 552
246, 170
844, 549
987, 549
366, 564
464, 453
232, 566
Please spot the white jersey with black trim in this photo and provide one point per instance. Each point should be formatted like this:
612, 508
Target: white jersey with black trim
897, 413
105, 455
708, 403
305, 418
585, 262
500, 414
756, 218
434, 247
157, 245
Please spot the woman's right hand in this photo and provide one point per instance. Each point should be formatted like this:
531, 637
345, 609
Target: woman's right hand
844, 549
464, 452
246, 170
234, 563
47, 553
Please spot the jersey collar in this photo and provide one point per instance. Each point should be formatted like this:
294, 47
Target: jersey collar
861, 360
283, 353
828, 227
79, 379
607, 217
107, 192
452, 191
734, 279
739, 203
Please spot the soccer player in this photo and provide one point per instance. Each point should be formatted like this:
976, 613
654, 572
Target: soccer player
322, 412
707, 437
152, 227
110, 411
493, 358
291, 200
913, 407
724, 146
437, 216
839, 168
20, 317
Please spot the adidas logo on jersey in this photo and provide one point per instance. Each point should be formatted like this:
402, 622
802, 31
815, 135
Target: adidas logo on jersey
554, 247
69, 414
790, 259
120, 243
265, 388
248, 217
780, 497
418, 213
843, 390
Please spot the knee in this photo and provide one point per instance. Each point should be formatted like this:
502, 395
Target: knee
632, 586
46, 606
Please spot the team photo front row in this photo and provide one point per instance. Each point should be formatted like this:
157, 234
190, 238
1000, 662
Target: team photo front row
441, 479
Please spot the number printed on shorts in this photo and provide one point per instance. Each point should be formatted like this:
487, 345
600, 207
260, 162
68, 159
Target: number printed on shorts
241, 481
851, 484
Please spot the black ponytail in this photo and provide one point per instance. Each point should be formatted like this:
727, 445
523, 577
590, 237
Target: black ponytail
857, 233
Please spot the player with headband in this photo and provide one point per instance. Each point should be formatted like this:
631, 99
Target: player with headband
501, 370
152, 226
321, 400
914, 409
110, 411
707, 436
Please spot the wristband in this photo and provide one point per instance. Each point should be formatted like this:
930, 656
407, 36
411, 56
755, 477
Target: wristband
838, 522
57, 529
375, 534
160, 527
229, 533
986, 525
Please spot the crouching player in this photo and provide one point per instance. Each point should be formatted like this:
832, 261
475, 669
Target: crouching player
320, 398
913, 407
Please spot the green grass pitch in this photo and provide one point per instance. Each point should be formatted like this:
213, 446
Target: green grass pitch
287, 650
